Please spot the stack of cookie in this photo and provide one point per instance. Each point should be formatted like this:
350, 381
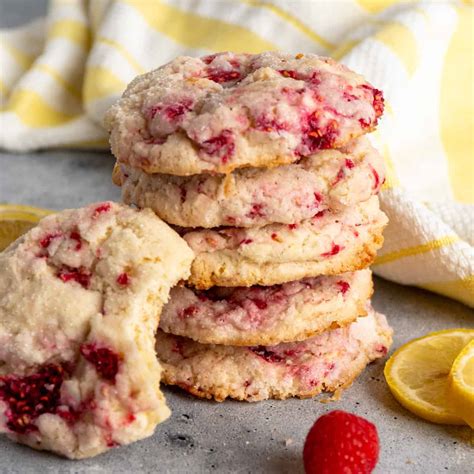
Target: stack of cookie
260, 163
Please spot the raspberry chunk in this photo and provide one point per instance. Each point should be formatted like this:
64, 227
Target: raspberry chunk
376, 178
188, 312
100, 209
259, 303
222, 146
220, 76
266, 354
317, 136
344, 286
269, 124
340, 442
335, 249
105, 361
123, 279
256, 211
45, 242
77, 237
30, 396
171, 112
79, 275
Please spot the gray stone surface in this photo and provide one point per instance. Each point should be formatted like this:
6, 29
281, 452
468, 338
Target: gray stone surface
16, 12
235, 437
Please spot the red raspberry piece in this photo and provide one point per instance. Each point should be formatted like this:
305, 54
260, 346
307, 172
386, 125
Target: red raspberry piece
101, 208
189, 312
256, 211
105, 361
259, 303
28, 397
340, 442
220, 77
344, 286
349, 163
335, 249
79, 275
208, 59
266, 354
76, 236
171, 112
376, 178
45, 242
268, 124
222, 145
123, 279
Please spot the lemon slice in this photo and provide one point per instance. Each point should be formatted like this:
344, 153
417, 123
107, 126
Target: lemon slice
417, 374
15, 220
461, 385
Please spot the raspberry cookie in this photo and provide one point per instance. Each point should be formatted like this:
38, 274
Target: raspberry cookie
227, 111
253, 197
328, 244
80, 297
327, 362
267, 315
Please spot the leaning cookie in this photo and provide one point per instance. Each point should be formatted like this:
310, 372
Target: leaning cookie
80, 298
227, 111
327, 362
253, 197
328, 244
267, 315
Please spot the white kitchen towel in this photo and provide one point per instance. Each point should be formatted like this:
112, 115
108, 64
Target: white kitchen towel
59, 75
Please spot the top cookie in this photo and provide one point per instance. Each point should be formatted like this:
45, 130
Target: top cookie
80, 299
227, 111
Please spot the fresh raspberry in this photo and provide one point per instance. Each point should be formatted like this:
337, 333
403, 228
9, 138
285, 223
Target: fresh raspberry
340, 442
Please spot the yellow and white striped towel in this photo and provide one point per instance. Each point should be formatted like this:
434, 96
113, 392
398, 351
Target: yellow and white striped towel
58, 76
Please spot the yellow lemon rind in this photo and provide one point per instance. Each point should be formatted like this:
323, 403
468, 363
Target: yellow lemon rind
460, 395
412, 403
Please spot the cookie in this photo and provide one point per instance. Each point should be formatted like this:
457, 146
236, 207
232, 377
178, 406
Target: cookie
267, 315
80, 298
327, 362
254, 197
328, 244
227, 111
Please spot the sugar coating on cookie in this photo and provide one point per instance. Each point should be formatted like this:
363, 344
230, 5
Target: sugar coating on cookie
227, 111
267, 315
253, 197
80, 298
328, 244
327, 362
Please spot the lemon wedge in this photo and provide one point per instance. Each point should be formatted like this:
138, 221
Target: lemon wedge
461, 385
418, 374
15, 220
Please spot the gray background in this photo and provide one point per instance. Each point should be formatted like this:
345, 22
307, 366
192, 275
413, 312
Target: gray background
238, 437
